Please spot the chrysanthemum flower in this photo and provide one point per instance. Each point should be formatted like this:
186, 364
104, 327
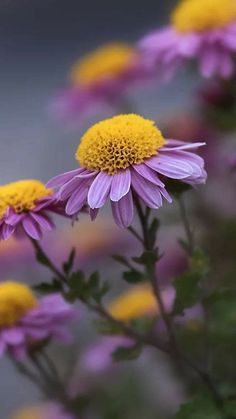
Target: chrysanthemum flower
45, 411
203, 30
24, 207
101, 77
25, 320
122, 158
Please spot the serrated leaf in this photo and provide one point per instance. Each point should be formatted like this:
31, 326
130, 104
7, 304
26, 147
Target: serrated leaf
148, 258
201, 407
121, 259
133, 277
68, 265
127, 353
49, 287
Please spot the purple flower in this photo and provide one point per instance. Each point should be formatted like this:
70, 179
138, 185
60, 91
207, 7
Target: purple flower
25, 320
24, 207
200, 30
101, 78
126, 158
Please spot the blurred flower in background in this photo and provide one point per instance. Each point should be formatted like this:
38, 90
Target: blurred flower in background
43, 411
200, 30
26, 320
101, 78
24, 205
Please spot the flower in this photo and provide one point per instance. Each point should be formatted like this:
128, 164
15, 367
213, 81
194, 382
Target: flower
122, 158
44, 411
101, 77
134, 303
23, 207
203, 30
25, 320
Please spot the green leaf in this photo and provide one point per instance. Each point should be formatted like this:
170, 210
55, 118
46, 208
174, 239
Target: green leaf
153, 229
68, 265
188, 286
201, 407
49, 287
127, 353
121, 259
133, 277
148, 258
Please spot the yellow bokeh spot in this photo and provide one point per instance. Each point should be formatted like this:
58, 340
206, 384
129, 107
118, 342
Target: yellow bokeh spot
106, 62
29, 413
201, 15
22, 195
135, 303
15, 301
118, 143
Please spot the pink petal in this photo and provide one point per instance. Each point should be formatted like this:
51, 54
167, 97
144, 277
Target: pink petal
59, 180
31, 228
120, 185
123, 210
147, 191
43, 221
99, 190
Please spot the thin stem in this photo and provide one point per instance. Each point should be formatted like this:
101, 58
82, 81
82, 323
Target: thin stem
187, 227
39, 251
135, 234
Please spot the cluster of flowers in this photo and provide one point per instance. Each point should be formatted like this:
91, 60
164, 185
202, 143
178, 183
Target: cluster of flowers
202, 31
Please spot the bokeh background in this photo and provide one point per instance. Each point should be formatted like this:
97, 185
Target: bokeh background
39, 41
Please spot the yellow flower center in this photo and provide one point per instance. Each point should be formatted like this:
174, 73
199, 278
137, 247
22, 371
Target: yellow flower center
118, 143
108, 61
22, 195
15, 301
137, 302
201, 15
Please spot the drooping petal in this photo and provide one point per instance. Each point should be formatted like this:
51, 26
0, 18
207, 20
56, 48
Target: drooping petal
148, 174
99, 190
45, 222
31, 227
13, 335
170, 167
60, 180
120, 185
78, 198
7, 231
147, 191
123, 210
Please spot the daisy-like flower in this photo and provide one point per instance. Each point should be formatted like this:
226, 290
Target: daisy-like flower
26, 320
24, 207
101, 77
123, 158
203, 30
45, 411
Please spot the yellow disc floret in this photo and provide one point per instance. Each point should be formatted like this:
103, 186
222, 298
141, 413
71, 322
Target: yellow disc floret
118, 143
22, 195
201, 15
137, 302
108, 61
15, 301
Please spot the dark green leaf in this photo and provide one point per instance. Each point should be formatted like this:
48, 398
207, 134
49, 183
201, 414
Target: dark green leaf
127, 353
121, 259
201, 407
49, 287
153, 231
68, 265
133, 277
148, 258
188, 292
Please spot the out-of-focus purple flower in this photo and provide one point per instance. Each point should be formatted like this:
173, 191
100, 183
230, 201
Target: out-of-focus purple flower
44, 411
122, 157
24, 208
26, 320
200, 30
101, 78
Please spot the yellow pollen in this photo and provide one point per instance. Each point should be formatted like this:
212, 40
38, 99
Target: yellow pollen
118, 143
108, 61
22, 195
15, 301
137, 302
203, 15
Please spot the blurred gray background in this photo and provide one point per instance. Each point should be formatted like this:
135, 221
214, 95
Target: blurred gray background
39, 40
